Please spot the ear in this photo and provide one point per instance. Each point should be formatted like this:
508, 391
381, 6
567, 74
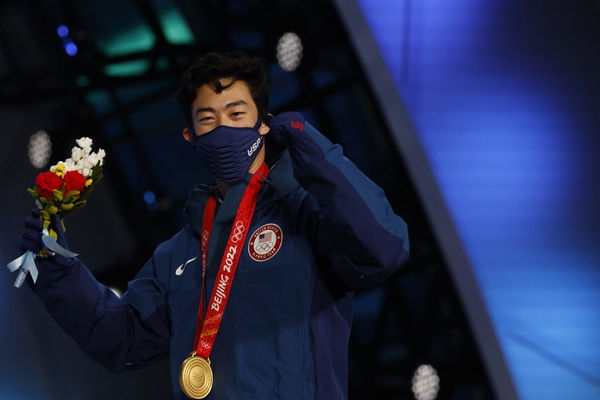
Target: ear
264, 129
188, 135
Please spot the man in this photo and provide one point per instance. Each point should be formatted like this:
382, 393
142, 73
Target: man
254, 295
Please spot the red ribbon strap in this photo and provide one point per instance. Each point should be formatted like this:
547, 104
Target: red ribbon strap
205, 337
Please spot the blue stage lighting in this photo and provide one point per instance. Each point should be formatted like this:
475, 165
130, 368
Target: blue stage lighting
62, 31
71, 48
149, 197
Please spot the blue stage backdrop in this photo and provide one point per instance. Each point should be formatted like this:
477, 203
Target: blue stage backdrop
503, 97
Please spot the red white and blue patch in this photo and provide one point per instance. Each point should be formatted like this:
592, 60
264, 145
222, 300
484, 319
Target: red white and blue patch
265, 242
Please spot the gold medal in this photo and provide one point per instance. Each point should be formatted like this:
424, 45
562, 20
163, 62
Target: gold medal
196, 377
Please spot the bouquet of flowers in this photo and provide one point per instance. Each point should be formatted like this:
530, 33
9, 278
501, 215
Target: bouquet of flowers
59, 192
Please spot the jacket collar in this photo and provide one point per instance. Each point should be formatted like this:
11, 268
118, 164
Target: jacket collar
278, 184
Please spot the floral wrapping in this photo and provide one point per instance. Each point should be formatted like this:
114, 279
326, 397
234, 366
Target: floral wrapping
69, 183
59, 192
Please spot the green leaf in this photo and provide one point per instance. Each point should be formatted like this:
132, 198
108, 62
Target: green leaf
96, 174
80, 203
57, 194
33, 193
44, 214
72, 195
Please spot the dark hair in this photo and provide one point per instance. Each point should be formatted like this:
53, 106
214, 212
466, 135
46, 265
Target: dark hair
214, 66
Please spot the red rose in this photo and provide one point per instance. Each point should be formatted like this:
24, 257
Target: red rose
46, 182
74, 181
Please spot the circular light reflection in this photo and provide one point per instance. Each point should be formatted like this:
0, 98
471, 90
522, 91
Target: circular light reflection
425, 383
289, 51
39, 149
62, 31
71, 48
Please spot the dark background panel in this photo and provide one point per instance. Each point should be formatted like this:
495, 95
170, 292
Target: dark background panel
113, 78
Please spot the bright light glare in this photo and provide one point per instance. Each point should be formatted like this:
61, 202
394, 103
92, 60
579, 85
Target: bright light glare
425, 383
62, 31
40, 149
289, 51
71, 48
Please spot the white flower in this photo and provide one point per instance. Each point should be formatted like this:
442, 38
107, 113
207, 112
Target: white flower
93, 159
76, 153
85, 163
70, 164
82, 158
100, 156
85, 143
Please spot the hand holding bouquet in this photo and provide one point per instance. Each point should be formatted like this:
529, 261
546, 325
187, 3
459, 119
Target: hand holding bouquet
57, 193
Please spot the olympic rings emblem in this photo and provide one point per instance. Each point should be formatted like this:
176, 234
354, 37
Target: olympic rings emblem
238, 232
264, 247
205, 236
265, 242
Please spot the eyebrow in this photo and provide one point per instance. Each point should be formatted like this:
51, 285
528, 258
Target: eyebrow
229, 105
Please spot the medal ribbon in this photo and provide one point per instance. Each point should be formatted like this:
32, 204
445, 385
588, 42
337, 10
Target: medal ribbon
207, 222
205, 337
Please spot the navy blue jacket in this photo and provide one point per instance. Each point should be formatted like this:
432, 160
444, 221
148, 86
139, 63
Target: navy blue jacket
284, 334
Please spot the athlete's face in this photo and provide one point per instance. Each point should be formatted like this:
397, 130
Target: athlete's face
234, 106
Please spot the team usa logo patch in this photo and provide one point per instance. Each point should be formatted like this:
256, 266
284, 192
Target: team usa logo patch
265, 242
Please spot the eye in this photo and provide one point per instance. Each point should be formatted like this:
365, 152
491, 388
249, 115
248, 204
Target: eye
238, 113
205, 119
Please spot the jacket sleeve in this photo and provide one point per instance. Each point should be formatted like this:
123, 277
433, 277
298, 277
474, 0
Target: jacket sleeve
354, 226
119, 333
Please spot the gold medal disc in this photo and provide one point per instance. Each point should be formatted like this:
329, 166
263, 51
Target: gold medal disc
196, 377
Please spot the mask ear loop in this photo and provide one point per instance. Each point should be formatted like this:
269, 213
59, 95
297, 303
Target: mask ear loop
267, 119
261, 119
